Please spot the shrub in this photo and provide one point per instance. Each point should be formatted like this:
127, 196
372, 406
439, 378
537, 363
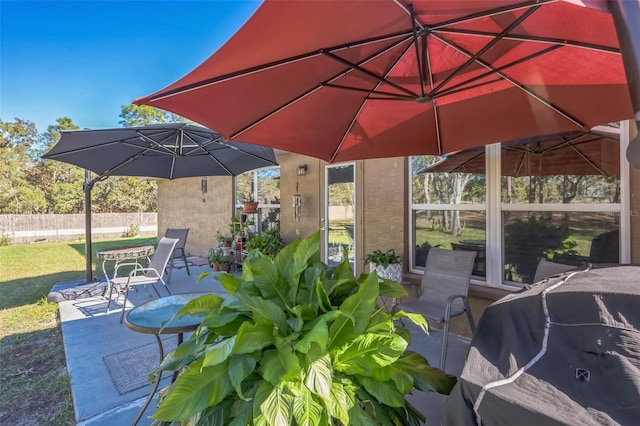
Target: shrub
268, 242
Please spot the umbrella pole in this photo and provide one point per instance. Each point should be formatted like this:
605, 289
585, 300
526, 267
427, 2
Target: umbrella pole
625, 16
87, 187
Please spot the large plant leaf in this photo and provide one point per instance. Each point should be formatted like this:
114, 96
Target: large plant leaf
426, 378
201, 305
343, 398
240, 367
230, 282
193, 391
390, 288
319, 334
359, 417
369, 352
323, 298
307, 286
260, 308
417, 319
279, 365
219, 414
277, 407
253, 337
319, 377
262, 393
242, 414
270, 283
380, 323
218, 352
356, 312
220, 319
384, 392
402, 378
306, 410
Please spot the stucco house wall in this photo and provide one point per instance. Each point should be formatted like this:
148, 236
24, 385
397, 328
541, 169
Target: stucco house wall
181, 204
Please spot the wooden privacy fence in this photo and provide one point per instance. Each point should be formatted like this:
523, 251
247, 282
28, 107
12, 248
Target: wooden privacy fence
28, 228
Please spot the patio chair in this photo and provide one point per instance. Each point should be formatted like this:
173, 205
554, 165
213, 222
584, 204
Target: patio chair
179, 258
143, 276
547, 268
445, 285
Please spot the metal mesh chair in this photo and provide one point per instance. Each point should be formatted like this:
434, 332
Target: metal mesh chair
547, 268
445, 285
142, 276
179, 258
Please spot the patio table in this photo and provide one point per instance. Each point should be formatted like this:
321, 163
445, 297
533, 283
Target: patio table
158, 317
120, 255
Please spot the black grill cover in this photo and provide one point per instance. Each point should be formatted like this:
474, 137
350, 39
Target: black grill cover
584, 371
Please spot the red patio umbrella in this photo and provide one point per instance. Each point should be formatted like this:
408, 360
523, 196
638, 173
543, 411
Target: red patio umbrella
352, 79
576, 153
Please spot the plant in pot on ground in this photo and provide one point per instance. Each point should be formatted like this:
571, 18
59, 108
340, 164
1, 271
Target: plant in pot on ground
387, 264
295, 343
219, 260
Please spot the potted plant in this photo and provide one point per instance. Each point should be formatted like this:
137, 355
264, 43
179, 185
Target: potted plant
249, 205
387, 264
296, 343
219, 261
269, 242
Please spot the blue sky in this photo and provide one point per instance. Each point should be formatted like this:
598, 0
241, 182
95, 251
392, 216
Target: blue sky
85, 59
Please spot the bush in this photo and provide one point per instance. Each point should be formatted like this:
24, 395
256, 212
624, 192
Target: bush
6, 238
133, 231
268, 242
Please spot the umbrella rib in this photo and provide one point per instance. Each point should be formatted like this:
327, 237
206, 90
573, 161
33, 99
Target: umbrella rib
475, 57
274, 64
516, 84
463, 86
357, 67
319, 86
532, 38
417, 49
364, 100
391, 96
491, 12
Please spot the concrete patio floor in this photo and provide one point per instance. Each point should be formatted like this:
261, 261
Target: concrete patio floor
90, 335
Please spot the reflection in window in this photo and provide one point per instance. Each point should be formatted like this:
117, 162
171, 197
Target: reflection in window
444, 188
263, 186
340, 214
451, 230
572, 238
573, 167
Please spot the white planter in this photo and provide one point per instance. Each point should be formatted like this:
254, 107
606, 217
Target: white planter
391, 272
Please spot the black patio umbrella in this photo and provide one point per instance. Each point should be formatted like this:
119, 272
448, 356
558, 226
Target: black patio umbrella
169, 151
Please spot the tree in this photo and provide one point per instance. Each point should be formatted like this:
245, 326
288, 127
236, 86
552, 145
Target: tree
17, 194
136, 115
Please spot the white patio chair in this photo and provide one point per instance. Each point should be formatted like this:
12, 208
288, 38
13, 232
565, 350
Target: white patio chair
445, 285
143, 276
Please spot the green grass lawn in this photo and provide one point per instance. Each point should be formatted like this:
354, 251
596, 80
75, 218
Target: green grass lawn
35, 387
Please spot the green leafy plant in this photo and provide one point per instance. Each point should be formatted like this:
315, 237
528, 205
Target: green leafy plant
528, 241
6, 238
268, 242
132, 231
297, 344
216, 257
383, 258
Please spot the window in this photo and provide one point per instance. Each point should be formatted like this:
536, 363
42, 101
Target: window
560, 198
447, 211
263, 186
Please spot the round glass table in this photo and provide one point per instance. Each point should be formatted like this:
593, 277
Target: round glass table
159, 316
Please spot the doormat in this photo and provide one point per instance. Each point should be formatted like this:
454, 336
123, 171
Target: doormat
198, 261
129, 369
